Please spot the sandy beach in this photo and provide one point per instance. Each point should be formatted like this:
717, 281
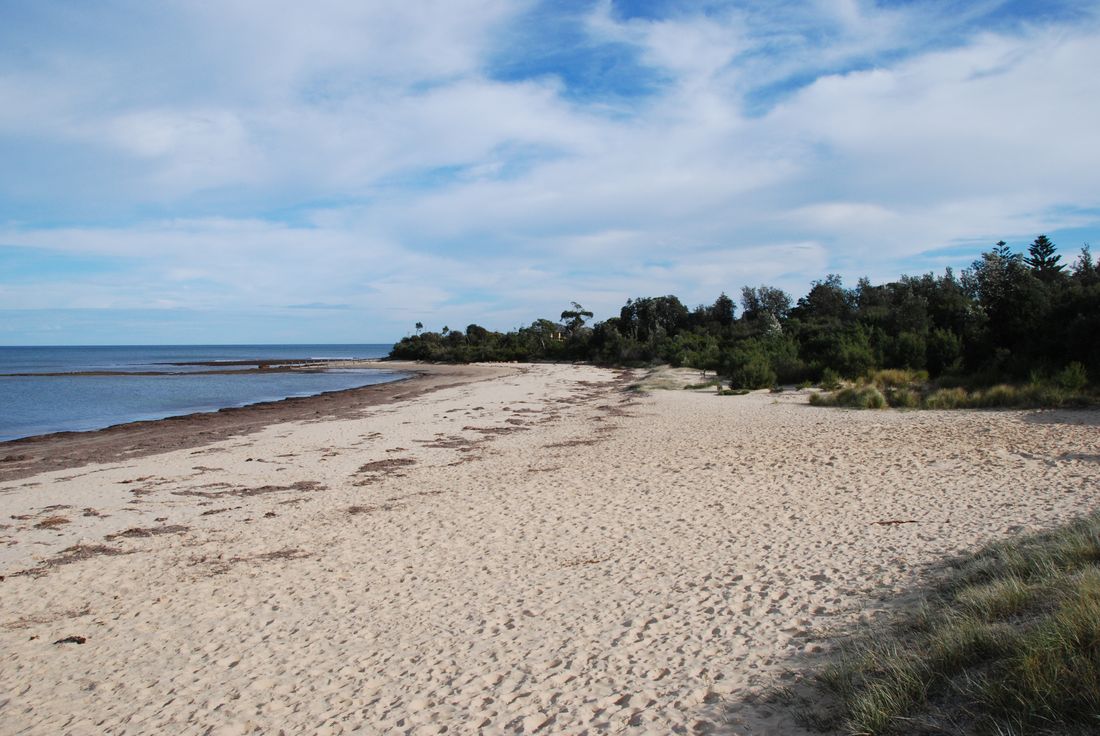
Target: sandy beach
488, 549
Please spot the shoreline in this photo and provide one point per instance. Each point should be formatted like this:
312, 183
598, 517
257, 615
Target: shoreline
26, 456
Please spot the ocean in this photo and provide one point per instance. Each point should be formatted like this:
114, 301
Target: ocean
73, 388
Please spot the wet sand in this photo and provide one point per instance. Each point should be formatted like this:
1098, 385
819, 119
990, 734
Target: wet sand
27, 456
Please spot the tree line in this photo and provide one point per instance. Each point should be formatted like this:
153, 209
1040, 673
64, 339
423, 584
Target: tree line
1008, 317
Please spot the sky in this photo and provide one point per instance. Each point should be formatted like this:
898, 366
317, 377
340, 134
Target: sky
269, 171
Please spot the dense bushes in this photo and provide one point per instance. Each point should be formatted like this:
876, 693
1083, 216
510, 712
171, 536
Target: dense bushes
1008, 319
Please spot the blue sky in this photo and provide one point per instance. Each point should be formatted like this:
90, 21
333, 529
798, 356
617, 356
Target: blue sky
336, 171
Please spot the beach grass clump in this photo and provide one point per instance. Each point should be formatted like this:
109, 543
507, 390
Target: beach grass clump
1007, 642
903, 397
705, 384
1028, 396
733, 391
898, 378
946, 398
999, 397
853, 397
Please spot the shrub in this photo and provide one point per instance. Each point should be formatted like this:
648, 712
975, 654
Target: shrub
909, 350
1073, 378
944, 350
830, 381
852, 354
756, 373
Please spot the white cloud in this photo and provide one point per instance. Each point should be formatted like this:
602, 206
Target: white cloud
418, 183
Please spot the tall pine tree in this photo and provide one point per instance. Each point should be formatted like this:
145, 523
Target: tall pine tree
1042, 258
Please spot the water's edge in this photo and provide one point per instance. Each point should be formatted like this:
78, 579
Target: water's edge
68, 389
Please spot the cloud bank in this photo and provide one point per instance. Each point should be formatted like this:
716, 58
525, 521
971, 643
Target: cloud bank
252, 171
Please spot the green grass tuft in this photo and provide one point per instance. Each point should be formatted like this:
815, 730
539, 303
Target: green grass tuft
1007, 643
897, 378
946, 398
854, 397
830, 381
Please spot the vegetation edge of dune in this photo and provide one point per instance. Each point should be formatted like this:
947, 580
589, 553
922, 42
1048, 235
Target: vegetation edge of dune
912, 390
1006, 642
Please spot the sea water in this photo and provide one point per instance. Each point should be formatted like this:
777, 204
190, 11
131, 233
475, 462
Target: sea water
69, 399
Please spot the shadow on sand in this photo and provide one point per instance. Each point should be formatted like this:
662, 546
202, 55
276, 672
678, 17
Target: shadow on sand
1075, 417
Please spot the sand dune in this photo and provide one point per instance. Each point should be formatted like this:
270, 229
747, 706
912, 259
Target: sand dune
539, 552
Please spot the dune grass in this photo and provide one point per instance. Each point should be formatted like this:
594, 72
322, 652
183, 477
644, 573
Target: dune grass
1008, 643
854, 397
902, 389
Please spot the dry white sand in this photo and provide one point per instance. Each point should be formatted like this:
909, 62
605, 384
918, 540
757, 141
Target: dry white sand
537, 552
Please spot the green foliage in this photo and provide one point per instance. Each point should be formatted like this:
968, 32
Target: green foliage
830, 381
575, 318
1006, 642
943, 351
752, 374
946, 398
827, 300
1042, 259
903, 398
912, 390
1073, 377
895, 378
695, 350
853, 397
722, 310
1005, 319
748, 365
758, 302
851, 355
909, 350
